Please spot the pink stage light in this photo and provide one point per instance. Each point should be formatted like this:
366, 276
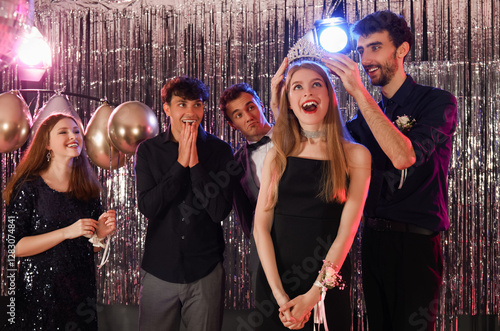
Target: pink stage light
34, 56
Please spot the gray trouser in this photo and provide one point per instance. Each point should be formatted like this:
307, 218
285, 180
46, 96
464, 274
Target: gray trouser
198, 306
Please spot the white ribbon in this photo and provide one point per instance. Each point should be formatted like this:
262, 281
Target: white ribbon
404, 172
319, 309
105, 254
96, 242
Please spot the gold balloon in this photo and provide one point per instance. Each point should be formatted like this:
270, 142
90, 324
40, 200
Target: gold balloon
15, 121
130, 124
97, 143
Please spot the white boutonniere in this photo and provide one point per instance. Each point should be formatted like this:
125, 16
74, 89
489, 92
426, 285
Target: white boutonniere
405, 123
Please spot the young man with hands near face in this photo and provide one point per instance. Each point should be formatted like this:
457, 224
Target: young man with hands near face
184, 185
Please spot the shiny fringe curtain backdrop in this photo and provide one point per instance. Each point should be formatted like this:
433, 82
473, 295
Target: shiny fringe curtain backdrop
124, 50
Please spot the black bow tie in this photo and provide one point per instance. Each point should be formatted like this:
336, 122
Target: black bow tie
262, 141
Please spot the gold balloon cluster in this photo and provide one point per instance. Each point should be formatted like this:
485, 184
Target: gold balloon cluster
111, 131
110, 134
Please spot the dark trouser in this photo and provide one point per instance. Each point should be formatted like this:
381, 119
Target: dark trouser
402, 273
199, 306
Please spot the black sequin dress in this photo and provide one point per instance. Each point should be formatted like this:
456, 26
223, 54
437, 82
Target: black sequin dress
303, 230
56, 289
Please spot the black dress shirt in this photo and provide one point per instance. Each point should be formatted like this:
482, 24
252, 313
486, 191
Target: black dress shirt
423, 198
184, 206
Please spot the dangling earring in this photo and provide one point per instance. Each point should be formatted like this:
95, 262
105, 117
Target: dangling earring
49, 156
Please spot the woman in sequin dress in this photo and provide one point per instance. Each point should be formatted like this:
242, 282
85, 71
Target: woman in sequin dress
53, 207
314, 185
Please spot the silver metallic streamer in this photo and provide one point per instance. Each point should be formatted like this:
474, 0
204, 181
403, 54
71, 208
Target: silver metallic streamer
125, 50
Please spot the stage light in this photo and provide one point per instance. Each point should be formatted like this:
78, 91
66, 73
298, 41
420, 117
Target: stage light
34, 56
331, 34
333, 39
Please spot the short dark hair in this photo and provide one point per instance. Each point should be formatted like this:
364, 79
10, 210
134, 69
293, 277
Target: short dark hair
232, 93
395, 25
184, 87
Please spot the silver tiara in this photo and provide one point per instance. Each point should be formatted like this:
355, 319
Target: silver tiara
304, 49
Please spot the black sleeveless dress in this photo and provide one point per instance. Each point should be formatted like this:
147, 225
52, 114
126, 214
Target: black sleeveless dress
303, 230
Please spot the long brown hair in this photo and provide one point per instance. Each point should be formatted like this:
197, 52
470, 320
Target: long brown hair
83, 185
287, 138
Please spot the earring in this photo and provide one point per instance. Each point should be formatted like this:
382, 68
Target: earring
49, 156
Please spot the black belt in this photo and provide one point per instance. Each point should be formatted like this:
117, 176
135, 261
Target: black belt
380, 224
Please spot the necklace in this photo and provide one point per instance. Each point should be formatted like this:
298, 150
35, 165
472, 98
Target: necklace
313, 134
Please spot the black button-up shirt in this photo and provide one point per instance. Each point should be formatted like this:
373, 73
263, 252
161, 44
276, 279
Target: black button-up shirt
184, 206
423, 197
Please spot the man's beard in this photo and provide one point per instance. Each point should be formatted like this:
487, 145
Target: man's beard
387, 71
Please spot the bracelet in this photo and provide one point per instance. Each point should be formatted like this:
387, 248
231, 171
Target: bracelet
330, 277
96, 241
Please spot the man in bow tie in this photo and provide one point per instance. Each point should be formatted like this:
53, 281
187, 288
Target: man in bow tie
244, 112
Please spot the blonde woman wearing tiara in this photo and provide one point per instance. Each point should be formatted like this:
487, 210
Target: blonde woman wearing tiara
314, 184
53, 207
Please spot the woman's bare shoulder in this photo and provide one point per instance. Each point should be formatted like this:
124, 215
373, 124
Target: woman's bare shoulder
357, 155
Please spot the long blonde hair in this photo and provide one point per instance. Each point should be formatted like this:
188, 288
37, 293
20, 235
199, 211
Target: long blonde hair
83, 185
287, 138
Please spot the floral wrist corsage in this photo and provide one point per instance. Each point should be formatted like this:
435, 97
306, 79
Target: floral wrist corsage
330, 277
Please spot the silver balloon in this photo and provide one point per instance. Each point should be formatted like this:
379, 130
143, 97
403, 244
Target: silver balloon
97, 143
16, 18
131, 123
57, 104
15, 121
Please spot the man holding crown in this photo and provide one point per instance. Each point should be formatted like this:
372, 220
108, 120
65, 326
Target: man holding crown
409, 133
